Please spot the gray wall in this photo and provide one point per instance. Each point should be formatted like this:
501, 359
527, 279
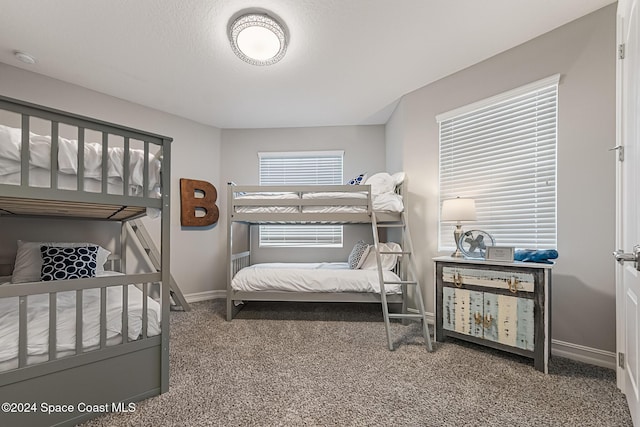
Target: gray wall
583, 303
196, 255
364, 151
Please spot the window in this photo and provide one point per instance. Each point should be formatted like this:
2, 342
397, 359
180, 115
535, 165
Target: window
301, 168
502, 153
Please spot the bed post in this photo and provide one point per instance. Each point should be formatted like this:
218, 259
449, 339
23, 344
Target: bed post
404, 271
165, 261
122, 267
229, 249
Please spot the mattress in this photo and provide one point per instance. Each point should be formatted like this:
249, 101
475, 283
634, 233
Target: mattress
38, 322
386, 202
311, 277
275, 208
40, 159
39, 177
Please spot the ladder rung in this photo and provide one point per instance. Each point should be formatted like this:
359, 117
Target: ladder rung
395, 252
405, 316
402, 282
388, 225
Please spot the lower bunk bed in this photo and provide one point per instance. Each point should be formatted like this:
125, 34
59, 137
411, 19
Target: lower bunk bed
71, 349
311, 282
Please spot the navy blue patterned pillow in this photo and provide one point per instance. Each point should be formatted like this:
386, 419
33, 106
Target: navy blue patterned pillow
360, 179
61, 263
358, 255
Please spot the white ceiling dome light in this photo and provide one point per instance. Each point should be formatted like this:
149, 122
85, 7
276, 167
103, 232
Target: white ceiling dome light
24, 57
258, 39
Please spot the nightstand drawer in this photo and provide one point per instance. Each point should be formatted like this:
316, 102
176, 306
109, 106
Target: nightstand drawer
514, 281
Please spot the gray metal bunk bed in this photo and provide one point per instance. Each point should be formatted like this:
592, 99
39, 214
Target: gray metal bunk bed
115, 371
314, 204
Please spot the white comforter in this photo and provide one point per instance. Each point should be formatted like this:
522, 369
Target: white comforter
385, 202
40, 157
38, 320
311, 277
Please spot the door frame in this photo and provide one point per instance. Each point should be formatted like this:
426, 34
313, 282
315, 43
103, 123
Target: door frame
620, 319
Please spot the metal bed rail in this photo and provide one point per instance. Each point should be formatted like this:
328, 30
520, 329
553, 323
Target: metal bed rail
240, 261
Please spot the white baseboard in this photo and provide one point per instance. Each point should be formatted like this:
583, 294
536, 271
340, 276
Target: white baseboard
581, 353
207, 295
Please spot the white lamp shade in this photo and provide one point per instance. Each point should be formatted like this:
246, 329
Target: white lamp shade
458, 209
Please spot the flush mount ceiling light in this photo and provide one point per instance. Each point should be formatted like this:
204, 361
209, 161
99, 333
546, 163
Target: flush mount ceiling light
258, 39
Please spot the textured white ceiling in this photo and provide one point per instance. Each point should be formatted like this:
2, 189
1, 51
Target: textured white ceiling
348, 61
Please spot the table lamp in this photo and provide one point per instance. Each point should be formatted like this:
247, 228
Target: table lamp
458, 210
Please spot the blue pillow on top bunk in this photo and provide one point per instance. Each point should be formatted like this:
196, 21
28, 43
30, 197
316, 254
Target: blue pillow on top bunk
62, 263
358, 180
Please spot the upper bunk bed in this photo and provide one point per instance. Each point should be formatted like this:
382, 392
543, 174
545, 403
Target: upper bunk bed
43, 173
328, 204
108, 327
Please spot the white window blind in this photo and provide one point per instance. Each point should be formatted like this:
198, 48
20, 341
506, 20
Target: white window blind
501, 152
301, 168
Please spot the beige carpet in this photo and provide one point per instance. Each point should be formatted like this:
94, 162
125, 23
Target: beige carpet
297, 364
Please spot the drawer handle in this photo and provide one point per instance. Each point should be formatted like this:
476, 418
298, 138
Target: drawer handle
457, 279
487, 320
478, 318
513, 285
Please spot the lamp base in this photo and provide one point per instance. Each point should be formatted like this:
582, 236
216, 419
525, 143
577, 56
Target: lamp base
457, 254
457, 234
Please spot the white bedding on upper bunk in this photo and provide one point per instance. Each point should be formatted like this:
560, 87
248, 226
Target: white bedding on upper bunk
311, 277
335, 195
38, 322
39, 177
267, 209
385, 202
40, 157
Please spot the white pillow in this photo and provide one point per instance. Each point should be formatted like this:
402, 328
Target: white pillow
388, 260
381, 183
29, 259
398, 178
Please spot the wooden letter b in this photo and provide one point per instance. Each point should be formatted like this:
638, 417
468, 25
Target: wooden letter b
190, 204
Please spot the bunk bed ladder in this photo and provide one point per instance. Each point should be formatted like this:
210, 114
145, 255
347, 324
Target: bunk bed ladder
408, 278
137, 229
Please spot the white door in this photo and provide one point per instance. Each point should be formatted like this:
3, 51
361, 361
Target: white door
628, 227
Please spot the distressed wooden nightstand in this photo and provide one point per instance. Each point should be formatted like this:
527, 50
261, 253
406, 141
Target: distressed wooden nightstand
503, 305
